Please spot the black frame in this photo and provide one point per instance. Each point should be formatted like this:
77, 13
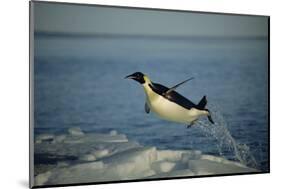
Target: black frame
31, 71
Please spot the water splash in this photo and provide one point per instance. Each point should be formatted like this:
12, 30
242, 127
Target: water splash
226, 144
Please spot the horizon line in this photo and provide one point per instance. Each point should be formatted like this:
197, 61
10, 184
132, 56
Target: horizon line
39, 33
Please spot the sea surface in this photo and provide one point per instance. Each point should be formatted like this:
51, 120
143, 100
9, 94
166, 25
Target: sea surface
79, 82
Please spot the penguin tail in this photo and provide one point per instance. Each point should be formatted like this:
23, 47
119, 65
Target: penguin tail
201, 105
203, 102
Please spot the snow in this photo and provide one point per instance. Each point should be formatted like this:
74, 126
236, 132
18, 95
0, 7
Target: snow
88, 157
113, 133
163, 166
44, 137
101, 153
75, 131
42, 178
206, 167
94, 157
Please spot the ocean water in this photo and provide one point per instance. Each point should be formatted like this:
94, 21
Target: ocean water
79, 82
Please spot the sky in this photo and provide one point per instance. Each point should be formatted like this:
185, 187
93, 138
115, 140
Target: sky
67, 18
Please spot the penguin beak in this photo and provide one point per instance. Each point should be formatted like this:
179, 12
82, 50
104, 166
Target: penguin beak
129, 77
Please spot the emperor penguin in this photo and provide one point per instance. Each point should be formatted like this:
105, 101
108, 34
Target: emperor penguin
168, 104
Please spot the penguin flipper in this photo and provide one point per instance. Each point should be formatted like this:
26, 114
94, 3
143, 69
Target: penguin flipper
177, 85
146, 108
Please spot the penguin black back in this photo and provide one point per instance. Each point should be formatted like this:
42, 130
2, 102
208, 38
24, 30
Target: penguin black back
173, 96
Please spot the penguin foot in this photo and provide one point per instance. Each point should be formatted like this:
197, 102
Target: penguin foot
210, 119
190, 125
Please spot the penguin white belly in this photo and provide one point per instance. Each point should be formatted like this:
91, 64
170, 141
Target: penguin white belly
171, 111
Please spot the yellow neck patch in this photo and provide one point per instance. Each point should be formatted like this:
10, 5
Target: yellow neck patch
146, 79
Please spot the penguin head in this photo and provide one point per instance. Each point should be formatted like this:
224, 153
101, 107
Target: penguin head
137, 76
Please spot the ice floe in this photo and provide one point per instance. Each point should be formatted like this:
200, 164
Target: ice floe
78, 157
